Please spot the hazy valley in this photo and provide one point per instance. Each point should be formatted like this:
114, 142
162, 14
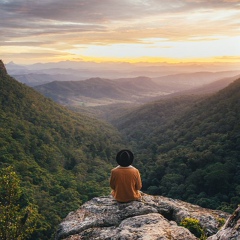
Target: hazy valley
78, 85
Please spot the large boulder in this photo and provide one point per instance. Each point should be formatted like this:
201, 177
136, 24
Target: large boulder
154, 217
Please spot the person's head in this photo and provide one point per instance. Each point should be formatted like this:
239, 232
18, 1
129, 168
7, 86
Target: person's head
124, 158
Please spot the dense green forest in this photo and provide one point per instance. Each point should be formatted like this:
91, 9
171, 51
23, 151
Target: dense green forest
188, 147
62, 158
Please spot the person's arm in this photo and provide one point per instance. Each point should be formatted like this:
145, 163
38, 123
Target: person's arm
112, 181
138, 182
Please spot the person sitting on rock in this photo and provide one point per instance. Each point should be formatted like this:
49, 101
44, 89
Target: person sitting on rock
125, 180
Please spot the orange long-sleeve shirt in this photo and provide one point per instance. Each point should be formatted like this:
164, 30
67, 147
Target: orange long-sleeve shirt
125, 183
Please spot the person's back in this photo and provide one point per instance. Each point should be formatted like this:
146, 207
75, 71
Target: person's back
125, 179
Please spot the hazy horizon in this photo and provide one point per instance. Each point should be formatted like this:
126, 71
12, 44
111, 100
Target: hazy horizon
121, 69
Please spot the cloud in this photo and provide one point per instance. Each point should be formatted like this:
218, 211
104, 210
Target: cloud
85, 11
72, 24
104, 11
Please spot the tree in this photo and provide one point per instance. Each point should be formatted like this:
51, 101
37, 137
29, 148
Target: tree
17, 217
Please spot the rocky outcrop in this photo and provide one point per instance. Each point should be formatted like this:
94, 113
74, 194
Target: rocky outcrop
231, 229
3, 70
154, 217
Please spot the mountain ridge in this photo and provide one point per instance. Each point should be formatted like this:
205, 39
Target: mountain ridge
62, 158
210, 88
128, 89
3, 70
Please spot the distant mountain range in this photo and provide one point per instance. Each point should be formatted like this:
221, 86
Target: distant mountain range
76, 85
34, 79
184, 81
98, 91
211, 87
80, 70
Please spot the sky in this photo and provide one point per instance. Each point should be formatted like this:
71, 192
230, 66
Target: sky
169, 31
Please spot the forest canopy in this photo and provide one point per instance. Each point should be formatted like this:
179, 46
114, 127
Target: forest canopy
186, 147
62, 158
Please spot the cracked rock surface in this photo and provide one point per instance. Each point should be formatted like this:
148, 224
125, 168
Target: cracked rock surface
231, 229
152, 218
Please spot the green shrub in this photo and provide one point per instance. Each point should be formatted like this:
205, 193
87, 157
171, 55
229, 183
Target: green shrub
193, 225
221, 222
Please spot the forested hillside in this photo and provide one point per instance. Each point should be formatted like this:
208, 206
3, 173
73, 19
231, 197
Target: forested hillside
188, 148
62, 158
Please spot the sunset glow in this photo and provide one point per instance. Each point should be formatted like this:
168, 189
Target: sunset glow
128, 30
